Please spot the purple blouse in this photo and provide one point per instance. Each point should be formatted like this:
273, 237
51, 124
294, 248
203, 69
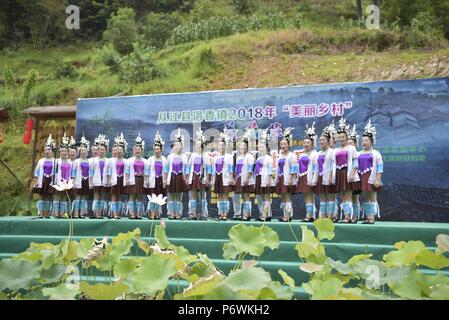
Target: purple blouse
138, 167
48, 166
197, 162
84, 169
238, 167
281, 164
259, 165
177, 165
158, 168
120, 168
341, 159
365, 162
303, 165
219, 165
101, 167
321, 164
65, 171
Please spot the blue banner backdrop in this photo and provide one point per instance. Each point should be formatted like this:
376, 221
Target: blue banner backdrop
411, 118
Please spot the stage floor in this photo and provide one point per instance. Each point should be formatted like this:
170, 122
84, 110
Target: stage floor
208, 237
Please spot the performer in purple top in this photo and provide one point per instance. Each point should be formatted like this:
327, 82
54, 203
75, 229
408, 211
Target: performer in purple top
63, 174
371, 168
157, 179
346, 178
135, 176
116, 176
176, 178
43, 174
353, 140
82, 190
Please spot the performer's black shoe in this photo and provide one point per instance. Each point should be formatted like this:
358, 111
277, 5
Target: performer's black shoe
285, 220
202, 218
308, 220
246, 219
171, 218
193, 218
369, 222
267, 219
236, 218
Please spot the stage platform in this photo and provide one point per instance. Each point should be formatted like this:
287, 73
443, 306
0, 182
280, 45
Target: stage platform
208, 237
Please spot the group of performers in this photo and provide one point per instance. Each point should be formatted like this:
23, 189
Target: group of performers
117, 186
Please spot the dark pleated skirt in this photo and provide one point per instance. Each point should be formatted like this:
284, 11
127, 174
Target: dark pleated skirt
158, 187
101, 189
243, 189
302, 185
367, 187
321, 188
281, 188
219, 187
137, 188
258, 189
196, 183
119, 189
46, 189
84, 190
342, 184
177, 184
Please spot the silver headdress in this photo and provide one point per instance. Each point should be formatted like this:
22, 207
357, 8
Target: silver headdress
139, 142
50, 143
224, 137
101, 141
353, 135
84, 142
158, 141
342, 126
310, 133
200, 136
121, 142
288, 135
246, 138
370, 131
72, 143
265, 137
64, 141
179, 137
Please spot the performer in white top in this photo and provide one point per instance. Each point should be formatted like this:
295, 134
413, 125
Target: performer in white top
116, 179
353, 140
198, 170
324, 176
98, 177
90, 197
265, 175
307, 162
244, 183
136, 169
286, 175
222, 179
63, 174
346, 177
82, 189
43, 174
157, 180
176, 177
371, 168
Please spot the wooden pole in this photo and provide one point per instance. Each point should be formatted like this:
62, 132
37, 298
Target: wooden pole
33, 157
359, 9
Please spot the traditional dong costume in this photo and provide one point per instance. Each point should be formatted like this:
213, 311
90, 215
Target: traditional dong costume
243, 183
264, 173
116, 176
370, 164
176, 169
43, 173
98, 176
63, 174
157, 178
82, 188
346, 161
324, 170
198, 170
356, 193
286, 175
222, 170
306, 167
136, 168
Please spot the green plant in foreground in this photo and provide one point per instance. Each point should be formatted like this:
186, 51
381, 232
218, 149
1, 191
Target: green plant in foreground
395, 277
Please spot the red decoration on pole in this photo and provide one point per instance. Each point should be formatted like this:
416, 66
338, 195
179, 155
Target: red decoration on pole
28, 129
29, 124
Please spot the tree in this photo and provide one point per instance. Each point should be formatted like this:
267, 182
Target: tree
158, 28
122, 31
